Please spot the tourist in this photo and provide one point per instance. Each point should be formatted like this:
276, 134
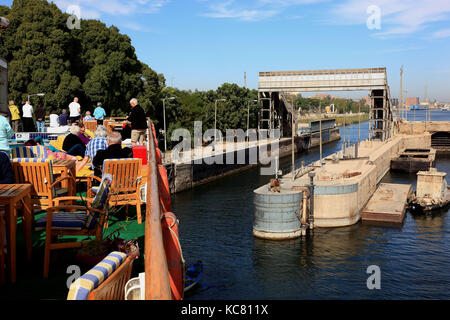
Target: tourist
114, 151
88, 116
63, 118
74, 110
98, 143
72, 144
99, 113
27, 118
15, 116
82, 135
54, 123
138, 122
6, 132
40, 118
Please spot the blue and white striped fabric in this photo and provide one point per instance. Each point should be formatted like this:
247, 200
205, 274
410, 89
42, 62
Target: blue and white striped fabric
94, 145
64, 221
80, 289
29, 152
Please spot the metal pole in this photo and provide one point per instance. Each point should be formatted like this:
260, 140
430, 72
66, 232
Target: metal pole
311, 200
165, 132
215, 123
345, 115
320, 129
293, 140
248, 117
359, 123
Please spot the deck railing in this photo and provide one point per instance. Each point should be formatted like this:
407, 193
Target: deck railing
157, 282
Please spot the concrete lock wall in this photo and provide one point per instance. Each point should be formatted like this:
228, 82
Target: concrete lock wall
419, 127
190, 174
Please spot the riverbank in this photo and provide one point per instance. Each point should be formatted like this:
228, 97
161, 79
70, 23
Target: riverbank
349, 119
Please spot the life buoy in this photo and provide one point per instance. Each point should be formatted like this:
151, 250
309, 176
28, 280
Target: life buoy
174, 255
164, 189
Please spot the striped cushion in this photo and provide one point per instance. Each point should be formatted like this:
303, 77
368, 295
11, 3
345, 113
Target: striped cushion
59, 192
29, 152
64, 221
80, 289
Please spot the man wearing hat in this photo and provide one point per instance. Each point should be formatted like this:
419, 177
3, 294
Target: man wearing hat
99, 113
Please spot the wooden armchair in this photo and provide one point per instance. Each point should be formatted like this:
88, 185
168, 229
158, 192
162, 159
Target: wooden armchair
39, 173
74, 220
126, 175
90, 125
106, 281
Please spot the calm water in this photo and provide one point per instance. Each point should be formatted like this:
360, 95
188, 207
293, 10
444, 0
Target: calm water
216, 222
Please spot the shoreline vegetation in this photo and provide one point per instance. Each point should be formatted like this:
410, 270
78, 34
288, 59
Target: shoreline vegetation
349, 119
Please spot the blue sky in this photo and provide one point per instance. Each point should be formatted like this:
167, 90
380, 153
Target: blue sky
200, 44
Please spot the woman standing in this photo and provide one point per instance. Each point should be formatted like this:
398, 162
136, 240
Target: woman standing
40, 118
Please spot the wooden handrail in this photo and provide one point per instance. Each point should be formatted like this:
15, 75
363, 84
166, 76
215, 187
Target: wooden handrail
157, 282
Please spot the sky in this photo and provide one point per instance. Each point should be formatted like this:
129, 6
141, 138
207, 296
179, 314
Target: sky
201, 44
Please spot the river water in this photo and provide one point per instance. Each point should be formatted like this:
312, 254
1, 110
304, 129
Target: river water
216, 223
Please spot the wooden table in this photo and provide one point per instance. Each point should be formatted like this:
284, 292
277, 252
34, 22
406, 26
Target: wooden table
66, 168
10, 196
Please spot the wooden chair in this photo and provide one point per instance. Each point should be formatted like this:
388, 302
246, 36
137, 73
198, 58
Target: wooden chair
29, 152
90, 125
74, 220
106, 281
39, 173
127, 175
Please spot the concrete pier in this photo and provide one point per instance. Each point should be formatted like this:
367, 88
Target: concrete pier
344, 185
388, 204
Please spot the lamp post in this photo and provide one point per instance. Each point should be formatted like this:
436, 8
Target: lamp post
36, 94
248, 115
164, 116
215, 118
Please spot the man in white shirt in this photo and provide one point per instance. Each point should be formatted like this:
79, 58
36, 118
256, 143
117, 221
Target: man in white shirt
27, 118
75, 110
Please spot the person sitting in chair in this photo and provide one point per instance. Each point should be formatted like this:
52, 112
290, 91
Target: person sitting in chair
114, 151
72, 144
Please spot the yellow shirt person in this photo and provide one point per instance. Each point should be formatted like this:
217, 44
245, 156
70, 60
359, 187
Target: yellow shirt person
15, 116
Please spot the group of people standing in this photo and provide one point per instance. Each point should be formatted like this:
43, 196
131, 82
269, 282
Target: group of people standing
25, 115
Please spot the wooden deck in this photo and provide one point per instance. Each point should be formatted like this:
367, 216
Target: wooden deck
388, 204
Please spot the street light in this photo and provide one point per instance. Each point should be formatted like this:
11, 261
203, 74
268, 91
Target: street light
36, 94
215, 119
248, 115
164, 116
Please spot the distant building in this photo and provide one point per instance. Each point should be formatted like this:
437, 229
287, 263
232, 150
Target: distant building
412, 101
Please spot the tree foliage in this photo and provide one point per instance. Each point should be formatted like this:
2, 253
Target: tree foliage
94, 63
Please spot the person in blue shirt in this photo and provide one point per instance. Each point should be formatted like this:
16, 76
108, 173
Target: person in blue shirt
63, 118
6, 132
99, 113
